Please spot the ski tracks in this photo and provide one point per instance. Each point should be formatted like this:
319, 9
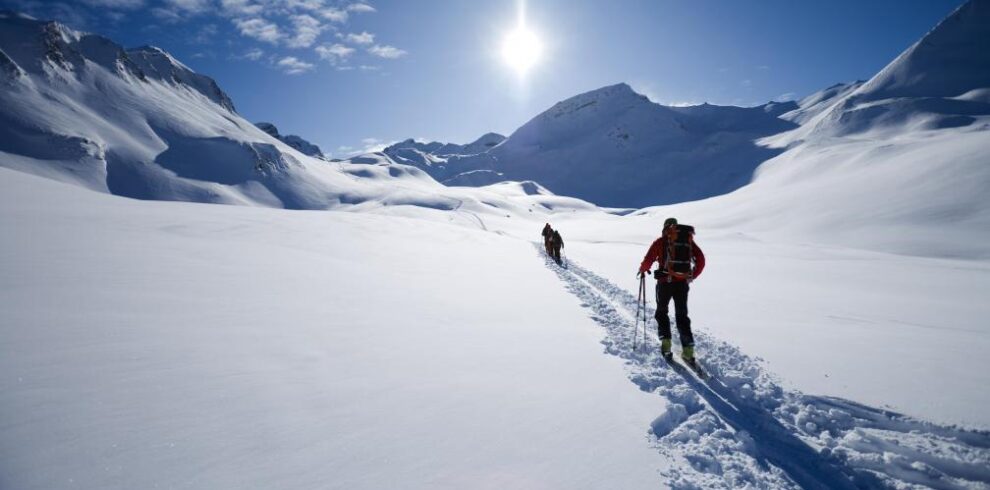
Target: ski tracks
741, 429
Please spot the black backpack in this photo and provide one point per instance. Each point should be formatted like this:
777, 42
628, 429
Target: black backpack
680, 253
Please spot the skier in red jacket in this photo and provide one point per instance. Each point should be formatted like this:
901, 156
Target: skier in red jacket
681, 261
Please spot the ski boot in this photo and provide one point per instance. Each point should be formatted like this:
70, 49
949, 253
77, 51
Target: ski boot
665, 351
688, 354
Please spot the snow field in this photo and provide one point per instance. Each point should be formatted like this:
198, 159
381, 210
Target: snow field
149, 344
741, 429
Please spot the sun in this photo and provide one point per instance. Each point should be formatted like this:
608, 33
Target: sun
521, 49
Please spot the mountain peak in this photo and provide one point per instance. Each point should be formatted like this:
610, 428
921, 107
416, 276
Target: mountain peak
948, 61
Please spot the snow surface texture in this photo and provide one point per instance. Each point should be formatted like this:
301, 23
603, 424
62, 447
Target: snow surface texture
166, 345
176, 344
741, 429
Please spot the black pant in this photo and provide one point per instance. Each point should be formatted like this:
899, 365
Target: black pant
678, 290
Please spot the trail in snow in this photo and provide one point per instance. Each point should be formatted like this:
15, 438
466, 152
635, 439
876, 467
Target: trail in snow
741, 428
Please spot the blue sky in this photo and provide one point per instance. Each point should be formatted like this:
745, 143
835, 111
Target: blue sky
354, 75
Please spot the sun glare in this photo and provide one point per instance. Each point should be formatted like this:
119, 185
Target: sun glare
521, 47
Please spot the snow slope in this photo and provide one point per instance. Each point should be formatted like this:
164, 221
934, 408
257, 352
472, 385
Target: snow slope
615, 148
422, 340
942, 81
176, 344
153, 344
896, 164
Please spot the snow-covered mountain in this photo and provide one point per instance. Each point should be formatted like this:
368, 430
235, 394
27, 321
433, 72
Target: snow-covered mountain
79, 108
898, 163
297, 142
432, 157
614, 147
819, 102
154, 344
942, 81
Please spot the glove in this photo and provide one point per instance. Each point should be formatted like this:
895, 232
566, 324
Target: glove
640, 275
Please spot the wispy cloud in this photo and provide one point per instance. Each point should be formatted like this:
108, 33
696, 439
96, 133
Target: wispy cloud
360, 7
304, 4
307, 29
253, 54
168, 16
363, 38
116, 4
785, 97
294, 66
240, 7
259, 29
334, 15
205, 34
371, 145
388, 52
190, 6
334, 53
746, 83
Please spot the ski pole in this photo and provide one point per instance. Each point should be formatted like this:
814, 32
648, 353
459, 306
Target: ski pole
639, 303
645, 317
642, 284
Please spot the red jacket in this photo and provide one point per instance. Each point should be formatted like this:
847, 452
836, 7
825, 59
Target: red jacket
655, 254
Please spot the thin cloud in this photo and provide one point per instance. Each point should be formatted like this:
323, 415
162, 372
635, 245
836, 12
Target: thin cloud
116, 4
259, 29
190, 6
240, 7
334, 53
307, 30
361, 8
304, 4
363, 38
334, 15
371, 145
785, 97
294, 66
205, 35
388, 52
254, 54
166, 15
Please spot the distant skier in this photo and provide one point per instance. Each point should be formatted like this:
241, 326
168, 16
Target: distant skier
681, 261
547, 236
556, 243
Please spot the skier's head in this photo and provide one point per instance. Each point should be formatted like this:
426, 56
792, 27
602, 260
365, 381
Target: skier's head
667, 223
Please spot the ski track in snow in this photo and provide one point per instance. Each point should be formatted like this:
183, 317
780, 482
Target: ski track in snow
741, 429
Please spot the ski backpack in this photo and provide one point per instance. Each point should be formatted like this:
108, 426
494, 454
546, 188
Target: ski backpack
680, 252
